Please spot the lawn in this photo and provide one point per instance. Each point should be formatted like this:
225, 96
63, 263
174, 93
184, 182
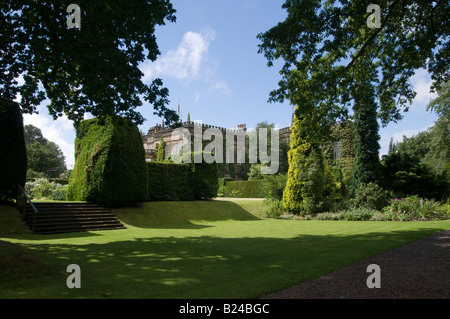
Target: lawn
208, 249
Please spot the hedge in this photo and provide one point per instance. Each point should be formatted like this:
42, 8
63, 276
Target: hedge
204, 179
13, 154
181, 182
169, 182
245, 189
110, 167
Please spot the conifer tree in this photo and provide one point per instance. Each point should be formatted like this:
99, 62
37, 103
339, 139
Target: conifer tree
367, 162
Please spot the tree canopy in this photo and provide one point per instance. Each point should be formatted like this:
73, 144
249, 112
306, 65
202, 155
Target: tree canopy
93, 69
44, 156
328, 48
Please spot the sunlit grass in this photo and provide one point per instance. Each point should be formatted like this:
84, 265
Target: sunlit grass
208, 249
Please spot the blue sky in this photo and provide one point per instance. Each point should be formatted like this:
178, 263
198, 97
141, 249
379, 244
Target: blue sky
209, 63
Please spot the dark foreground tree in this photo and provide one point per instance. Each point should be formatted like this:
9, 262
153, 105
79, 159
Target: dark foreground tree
329, 49
92, 69
13, 156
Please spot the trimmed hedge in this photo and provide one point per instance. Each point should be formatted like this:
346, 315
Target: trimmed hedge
245, 189
110, 167
204, 179
13, 154
169, 182
182, 182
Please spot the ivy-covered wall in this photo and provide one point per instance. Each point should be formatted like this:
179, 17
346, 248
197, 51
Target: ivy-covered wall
110, 166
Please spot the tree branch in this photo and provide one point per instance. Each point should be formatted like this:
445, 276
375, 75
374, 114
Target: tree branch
372, 37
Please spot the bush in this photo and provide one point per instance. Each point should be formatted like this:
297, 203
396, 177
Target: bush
274, 186
110, 167
245, 189
406, 175
60, 193
358, 214
13, 155
370, 196
414, 208
42, 188
273, 208
169, 182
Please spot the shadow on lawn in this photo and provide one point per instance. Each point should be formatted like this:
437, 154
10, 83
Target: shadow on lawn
206, 267
180, 215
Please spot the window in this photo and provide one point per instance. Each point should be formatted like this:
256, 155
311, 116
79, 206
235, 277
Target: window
337, 150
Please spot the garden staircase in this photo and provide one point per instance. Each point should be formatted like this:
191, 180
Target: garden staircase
53, 218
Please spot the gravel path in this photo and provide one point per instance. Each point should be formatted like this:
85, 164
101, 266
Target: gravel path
419, 270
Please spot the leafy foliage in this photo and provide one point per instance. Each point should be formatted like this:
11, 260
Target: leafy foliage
415, 208
110, 166
273, 208
367, 162
94, 69
333, 61
406, 175
43, 155
316, 37
371, 196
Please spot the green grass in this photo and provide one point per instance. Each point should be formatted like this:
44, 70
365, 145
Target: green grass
208, 249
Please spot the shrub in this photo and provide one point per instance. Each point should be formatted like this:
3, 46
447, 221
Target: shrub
60, 193
328, 216
42, 188
245, 189
274, 186
406, 175
273, 208
169, 182
110, 167
13, 155
370, 196
414, 208
358, 214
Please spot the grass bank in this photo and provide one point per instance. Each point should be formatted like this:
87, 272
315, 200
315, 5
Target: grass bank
208, 249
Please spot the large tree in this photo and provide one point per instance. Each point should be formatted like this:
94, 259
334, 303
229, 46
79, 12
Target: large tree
334, 59
44, 156
93, 69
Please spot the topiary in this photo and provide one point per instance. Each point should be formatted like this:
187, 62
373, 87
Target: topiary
110, 166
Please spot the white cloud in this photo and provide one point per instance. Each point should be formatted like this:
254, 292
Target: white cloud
184, 63
221, 87
422, 82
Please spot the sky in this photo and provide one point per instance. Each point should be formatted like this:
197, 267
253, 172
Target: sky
210, 63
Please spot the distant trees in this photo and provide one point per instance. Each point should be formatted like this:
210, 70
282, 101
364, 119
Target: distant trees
43, 156
420, 164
